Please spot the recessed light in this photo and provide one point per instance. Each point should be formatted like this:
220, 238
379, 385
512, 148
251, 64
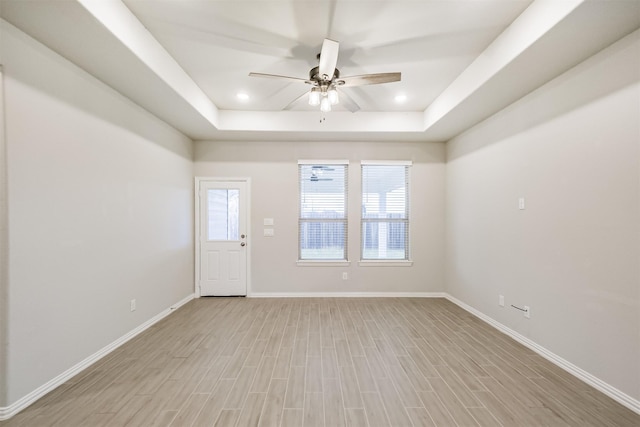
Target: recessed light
401, 98
242, 96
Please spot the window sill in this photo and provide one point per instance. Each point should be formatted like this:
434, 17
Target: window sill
321, 263
386, 263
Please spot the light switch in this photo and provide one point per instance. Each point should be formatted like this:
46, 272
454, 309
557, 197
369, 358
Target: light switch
521, 203
268, 232
267, 221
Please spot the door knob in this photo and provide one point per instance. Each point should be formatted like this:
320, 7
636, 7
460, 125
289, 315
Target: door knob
242, 236
242, 244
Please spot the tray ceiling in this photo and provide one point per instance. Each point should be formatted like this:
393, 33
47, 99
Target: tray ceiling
461, 61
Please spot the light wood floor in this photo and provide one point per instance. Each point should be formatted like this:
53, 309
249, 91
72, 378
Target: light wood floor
323, 362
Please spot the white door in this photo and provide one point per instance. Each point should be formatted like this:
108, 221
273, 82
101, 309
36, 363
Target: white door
223, 238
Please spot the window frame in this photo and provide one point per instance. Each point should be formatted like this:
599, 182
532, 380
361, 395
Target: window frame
345, 220
407, 261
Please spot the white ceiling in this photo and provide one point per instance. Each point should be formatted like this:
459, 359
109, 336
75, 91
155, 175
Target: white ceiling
461, 61
430, 42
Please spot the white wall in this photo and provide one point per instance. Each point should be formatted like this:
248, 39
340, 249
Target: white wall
4, 274
273, 169
571, 148
100, 212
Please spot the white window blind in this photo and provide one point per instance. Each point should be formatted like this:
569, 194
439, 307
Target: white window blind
322, 224
385, 211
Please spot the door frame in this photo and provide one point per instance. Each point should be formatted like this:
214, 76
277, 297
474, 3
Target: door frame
198, 181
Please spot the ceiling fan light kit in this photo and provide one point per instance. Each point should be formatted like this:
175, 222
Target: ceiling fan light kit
325, 79
325, 96
332, 94
314, 96
325, 105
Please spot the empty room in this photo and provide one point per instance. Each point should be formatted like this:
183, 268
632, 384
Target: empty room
319, 213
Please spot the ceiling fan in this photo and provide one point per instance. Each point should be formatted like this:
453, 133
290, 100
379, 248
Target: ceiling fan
325, 79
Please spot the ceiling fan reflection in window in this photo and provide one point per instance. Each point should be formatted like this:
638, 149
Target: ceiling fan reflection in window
317, 171
325, 79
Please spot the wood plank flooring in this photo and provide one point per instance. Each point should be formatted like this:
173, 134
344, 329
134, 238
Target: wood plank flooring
332, 362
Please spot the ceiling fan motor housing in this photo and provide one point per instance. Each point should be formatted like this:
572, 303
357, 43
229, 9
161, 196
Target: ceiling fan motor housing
314, 76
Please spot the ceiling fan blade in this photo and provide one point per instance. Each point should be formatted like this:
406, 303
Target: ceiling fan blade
328, 58
290, 105
275, 76
348, 102
370, 79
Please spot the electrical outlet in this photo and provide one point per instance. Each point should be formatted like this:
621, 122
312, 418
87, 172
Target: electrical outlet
133, 305
345, 276
501, 300
527, 312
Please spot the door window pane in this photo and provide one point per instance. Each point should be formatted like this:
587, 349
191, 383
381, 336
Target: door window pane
223, 214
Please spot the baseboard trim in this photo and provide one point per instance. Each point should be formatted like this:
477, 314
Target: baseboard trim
617, 395
346, 295
11, 410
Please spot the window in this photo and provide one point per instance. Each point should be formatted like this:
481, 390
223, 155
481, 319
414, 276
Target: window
385, 211
322, 224
223, 214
